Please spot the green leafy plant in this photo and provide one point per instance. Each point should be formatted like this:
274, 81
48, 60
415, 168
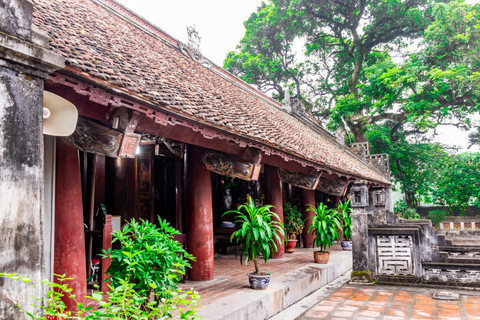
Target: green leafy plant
325, 226
148, 257
260, 231
411, 214
436, 216
292, 220
123, 303
346, 213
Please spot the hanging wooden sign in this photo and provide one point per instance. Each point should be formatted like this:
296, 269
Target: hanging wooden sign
230, 167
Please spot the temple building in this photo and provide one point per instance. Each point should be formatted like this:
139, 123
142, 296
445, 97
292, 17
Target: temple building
162, 132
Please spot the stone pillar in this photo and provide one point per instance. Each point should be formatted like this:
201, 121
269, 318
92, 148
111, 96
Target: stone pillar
273, 196
200, 216
24, 64
308, 197
360, 255
69, 230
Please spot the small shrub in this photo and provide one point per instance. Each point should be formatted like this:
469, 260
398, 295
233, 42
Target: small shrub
149, 258
293, 220
123, 303
410, 214
436, 216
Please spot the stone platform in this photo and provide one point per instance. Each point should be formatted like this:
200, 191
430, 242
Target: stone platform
228, 296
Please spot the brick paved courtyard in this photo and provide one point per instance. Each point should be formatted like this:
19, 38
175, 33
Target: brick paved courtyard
230, 276
393, 303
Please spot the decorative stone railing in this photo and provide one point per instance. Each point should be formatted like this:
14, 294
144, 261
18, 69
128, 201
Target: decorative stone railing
460, 225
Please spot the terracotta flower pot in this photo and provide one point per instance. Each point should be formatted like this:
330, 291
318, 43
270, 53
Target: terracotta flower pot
291, 244
321, 256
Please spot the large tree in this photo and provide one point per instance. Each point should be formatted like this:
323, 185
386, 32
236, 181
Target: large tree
349, 70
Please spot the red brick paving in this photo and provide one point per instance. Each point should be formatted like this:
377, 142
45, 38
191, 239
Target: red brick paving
230, 276
393, 303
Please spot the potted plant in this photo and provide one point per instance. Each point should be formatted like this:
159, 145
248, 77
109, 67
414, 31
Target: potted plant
346, 212
325, 226
293, 225
260, 231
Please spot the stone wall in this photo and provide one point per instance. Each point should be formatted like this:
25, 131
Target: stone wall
24, 64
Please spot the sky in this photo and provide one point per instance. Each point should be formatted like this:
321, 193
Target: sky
220, 25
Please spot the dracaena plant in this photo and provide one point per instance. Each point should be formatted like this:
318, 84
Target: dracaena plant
325, 226
260, 231
346, 213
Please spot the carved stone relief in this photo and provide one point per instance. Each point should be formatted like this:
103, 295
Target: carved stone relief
361, 149
380, 161
394, 255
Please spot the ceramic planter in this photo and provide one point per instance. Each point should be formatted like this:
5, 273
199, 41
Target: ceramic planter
291, 244
321, 257
347, 245
259, 282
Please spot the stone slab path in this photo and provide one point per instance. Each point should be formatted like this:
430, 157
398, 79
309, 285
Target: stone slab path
394, 303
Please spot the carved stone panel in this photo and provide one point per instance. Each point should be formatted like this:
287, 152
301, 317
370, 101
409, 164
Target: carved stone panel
329, 187
298, 179
381, 162
230, 167
361, 149
394, 255
359, 195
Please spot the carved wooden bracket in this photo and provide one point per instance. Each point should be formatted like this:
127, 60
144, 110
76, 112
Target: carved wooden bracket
231, 167
333, 188
298, 179
94, 138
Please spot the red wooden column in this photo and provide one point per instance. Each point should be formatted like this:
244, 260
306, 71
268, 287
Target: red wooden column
308, 197
200, 216
69, 232
273, 196
106, 244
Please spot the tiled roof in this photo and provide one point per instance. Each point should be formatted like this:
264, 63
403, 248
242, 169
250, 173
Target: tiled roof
97, 41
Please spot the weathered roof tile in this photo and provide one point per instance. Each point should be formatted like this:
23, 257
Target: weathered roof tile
99, 42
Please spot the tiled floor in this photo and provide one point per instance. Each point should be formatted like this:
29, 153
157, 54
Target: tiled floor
393, 303
230, 276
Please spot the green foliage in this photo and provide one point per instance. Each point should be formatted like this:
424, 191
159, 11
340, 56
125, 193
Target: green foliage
410, 214
260, 231
325, 226
123, 303
458, 181
346, 212
412, 163
292, 220
148, 257
436, 216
